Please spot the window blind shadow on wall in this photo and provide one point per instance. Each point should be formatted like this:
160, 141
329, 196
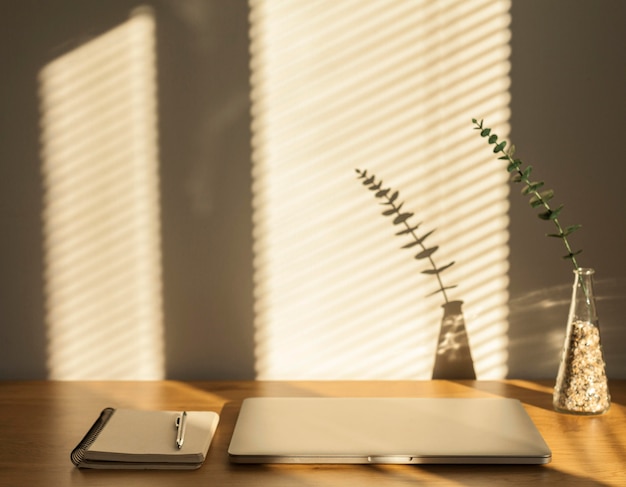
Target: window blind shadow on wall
101, 214
390, 87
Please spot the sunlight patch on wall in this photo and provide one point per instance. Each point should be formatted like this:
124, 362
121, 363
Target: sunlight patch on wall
390, 87
101, 217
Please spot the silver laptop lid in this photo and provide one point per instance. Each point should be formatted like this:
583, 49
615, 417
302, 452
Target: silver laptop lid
386, 430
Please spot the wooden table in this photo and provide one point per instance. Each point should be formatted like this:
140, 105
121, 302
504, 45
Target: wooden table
40, 423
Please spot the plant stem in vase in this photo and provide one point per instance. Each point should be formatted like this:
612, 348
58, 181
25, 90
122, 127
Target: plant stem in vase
581, 385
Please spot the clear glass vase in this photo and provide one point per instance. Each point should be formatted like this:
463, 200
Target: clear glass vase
453, 358
581, 384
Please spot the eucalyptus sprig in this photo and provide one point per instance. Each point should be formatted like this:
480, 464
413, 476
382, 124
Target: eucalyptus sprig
401, 217
539, 197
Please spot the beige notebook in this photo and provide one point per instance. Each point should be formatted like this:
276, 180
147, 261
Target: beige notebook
135, 439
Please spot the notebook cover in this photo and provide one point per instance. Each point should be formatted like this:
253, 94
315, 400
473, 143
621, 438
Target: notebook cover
127, 438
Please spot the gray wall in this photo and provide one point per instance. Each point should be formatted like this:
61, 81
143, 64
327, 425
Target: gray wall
205, 178
568, 121
568, 117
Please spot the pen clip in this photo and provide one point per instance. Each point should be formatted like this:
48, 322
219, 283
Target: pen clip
181, 424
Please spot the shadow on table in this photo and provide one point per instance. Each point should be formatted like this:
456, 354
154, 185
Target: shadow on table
482, 475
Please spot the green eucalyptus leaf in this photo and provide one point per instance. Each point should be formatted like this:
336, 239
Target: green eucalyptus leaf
541, 198
538, 198
572, 228
485, 132
555, 213
532, 187
572, 254
514, 165
527, 171
500, 147
547, 195
550, 214
546, 215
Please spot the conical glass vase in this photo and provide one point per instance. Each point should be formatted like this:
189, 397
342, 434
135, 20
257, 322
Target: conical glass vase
581, 384
453, 358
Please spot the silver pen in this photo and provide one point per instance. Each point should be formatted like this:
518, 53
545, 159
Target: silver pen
181, 423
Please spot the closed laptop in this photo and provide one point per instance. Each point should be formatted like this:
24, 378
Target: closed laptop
386, 430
